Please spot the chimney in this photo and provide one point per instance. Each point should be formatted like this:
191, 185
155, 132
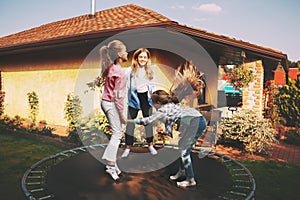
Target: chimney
93, 9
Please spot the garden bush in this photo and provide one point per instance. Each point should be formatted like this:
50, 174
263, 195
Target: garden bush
33, 101
73, 111
248, 132
292, 137
1, 105
287, 101
94, 129
17, 123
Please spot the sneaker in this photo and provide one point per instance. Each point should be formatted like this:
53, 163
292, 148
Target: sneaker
152, 150
178, 175
187, 183
125, 153
112, 172
118, 169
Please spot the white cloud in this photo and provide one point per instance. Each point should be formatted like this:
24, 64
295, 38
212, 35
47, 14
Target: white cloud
177, 7
208, 8
200, 19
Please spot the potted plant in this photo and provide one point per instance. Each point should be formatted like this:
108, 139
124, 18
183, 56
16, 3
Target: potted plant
239, 76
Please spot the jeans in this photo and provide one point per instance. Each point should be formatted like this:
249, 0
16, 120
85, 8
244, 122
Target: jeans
190, 135
132, 114
112, 114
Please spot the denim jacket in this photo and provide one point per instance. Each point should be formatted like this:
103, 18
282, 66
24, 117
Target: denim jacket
133, 100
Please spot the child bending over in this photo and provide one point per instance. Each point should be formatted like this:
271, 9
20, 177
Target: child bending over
191, 126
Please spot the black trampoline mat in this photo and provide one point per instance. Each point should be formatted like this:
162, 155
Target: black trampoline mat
83, 177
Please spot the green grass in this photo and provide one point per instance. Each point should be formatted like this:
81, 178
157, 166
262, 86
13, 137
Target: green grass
18, 154
275, 180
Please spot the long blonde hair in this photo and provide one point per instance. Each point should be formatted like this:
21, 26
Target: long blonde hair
109, 54
135, 64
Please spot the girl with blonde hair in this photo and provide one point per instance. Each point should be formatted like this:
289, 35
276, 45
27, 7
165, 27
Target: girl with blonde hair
140, 81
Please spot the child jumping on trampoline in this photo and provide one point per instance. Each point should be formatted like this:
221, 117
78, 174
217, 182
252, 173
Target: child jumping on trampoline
191, 126
112, 104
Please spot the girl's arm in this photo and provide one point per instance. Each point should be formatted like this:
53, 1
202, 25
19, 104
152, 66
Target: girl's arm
147, 120
130, 121
119, 94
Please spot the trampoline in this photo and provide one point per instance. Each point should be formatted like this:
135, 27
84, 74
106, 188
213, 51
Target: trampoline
77, 174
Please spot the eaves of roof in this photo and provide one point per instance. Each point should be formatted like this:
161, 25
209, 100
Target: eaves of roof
109, 22
228, 41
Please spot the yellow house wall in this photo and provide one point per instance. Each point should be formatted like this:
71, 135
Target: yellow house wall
51, 86
53, 77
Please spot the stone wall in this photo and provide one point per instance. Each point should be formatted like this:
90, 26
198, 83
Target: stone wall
253, 94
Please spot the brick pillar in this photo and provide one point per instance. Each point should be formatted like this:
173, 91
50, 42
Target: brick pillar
253, 94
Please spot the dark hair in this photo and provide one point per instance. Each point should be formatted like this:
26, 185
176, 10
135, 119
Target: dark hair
163, 97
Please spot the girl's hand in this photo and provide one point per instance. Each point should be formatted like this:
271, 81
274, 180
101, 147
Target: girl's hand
130, 121
123, 119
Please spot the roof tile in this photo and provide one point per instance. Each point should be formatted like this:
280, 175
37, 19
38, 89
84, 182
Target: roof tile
120, 17
124, 16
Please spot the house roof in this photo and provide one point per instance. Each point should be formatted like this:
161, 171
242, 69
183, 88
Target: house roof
115, 18
119, 18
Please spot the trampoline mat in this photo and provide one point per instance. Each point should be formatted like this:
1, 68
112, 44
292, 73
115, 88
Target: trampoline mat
83, 177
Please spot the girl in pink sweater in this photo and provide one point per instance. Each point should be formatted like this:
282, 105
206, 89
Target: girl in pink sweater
112, 104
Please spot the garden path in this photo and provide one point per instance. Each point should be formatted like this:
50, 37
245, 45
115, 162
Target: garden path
282, 152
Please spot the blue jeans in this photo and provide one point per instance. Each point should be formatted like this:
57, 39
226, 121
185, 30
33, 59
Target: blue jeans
190, 135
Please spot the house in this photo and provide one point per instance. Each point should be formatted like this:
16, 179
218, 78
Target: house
48, 59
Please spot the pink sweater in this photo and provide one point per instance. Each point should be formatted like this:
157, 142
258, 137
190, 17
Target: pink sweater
115, 87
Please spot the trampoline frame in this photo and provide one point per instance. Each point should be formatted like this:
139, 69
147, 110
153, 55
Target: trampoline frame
33, 181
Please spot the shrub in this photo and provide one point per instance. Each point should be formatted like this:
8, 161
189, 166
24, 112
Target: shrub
73, 111
94, 129
33, 101
248, 132
292, 137
17, 123
1, 105
287, 101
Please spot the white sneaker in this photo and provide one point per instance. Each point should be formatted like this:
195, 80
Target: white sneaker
152, 150
180, 173
112, 172
125, 153
187, 183
118, 169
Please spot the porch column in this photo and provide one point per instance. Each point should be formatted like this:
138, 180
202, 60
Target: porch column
253, 94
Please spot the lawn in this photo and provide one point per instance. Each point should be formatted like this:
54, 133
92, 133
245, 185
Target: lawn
17, 154
274, 180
